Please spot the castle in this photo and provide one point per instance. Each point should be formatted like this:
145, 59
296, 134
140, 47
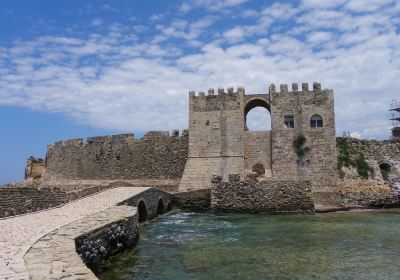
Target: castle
300, 147
218, 163
221, 144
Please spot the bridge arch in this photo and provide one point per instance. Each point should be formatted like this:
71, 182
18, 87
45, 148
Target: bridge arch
142, 211
160, 207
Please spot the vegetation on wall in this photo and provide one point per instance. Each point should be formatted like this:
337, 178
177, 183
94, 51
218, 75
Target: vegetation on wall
344, 159
299, 145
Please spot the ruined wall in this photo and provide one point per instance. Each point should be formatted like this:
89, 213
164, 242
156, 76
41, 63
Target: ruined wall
318, 164
35, 168
261, 197
156, 156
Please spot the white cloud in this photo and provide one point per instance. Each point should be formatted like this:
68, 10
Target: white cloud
212, 5
367, 6
319, 37
156, 17
96, 22
355, 134
120, 80
235, 34
317, 4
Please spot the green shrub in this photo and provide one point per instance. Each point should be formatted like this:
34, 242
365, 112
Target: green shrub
363, 168
298, 145
344, 155
344, 159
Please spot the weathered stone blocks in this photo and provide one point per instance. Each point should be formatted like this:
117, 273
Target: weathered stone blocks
261, 197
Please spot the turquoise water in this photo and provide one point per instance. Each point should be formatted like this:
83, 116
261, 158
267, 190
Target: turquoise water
345, 245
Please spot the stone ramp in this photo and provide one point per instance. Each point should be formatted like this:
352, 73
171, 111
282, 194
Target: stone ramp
19, 234
95, 237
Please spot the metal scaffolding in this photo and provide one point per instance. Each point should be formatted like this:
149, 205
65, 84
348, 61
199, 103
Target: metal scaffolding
395, 118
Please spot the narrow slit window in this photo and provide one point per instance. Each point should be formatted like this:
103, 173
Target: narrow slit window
316, 121
289, 122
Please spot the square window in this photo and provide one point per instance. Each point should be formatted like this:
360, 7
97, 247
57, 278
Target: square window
289, 122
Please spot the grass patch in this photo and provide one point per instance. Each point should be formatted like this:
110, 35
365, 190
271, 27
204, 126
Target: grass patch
363, 168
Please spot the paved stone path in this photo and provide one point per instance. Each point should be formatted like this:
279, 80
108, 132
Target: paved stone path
18, 234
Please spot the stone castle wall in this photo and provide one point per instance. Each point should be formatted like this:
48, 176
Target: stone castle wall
261, 197
156, 156
215, 138
376, 190
257, 149
317, 165
35, 168
220, 144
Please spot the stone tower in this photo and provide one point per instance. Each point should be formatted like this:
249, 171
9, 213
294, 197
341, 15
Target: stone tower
221, 144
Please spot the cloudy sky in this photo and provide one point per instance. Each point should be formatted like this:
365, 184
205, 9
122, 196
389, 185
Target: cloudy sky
77, 68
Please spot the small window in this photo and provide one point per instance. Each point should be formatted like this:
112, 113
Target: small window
289, 121
316, 121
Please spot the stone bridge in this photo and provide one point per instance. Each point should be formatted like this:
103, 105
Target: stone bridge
44, 245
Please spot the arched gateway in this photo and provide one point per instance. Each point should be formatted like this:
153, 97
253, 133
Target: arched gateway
220, 142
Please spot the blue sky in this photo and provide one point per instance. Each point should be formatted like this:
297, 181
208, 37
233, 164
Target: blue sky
78, 68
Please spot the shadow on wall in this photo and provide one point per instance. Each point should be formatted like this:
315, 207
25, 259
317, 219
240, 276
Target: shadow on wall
160, 207
142, 209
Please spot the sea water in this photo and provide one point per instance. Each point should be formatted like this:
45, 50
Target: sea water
342, 245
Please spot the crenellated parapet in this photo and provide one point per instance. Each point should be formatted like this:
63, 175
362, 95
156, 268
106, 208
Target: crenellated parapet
284, 89
216, 99
212, 93
121, 138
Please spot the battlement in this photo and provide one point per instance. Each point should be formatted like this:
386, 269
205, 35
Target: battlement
283, 89
316, 88
120, 138
219, 92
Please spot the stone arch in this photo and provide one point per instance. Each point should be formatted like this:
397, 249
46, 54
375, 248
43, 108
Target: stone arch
385, 166
160, 207
254, 103
142, 211
169, 206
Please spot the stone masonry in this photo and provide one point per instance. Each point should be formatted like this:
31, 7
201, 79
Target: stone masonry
156, 156
220, 143
261, 197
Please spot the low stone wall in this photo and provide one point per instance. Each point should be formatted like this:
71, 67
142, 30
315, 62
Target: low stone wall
196, 200
95, 238
21, 200
261, 197
97, 246
368, 193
